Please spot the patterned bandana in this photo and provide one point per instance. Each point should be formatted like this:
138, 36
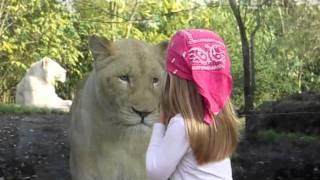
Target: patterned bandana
201, 56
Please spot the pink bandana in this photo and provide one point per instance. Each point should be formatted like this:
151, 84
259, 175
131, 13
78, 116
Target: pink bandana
201, 56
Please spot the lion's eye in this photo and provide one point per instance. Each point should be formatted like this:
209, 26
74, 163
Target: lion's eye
124, 78
155, 80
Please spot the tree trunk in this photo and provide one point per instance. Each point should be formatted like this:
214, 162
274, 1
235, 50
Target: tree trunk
252, 52
248, 91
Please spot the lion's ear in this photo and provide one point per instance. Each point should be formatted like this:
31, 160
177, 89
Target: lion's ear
45, 62
100, 47
161, 49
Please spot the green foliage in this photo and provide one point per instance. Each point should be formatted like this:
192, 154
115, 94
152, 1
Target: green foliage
39, 28
271, 136
286, 45
286, 49
13, 108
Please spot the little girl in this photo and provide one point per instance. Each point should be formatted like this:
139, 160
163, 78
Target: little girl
198, 128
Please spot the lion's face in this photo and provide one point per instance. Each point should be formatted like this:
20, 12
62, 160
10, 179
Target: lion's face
53, 70
128, 79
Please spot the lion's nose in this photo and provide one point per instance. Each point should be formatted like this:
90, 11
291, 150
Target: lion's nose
142, 114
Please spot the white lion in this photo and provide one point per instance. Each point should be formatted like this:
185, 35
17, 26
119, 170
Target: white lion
114, 110
37, 87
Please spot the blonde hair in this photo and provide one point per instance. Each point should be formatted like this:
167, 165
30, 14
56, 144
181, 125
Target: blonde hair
209, 143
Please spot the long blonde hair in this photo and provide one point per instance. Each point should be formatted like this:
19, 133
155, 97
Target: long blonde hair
209, 143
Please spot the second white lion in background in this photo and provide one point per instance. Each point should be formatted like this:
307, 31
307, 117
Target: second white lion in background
37, 86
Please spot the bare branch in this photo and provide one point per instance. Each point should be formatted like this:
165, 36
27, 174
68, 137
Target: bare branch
136, 5
146, 19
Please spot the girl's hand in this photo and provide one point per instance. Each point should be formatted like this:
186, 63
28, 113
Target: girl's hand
163, 118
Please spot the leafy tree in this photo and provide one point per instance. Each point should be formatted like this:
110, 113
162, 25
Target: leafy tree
37, 28
282, 39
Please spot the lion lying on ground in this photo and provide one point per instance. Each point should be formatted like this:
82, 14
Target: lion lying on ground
114, 110
37, 87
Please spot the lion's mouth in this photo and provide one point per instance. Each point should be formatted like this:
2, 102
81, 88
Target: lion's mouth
138, 124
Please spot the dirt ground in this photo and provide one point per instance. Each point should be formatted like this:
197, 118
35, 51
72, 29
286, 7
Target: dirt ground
35, 146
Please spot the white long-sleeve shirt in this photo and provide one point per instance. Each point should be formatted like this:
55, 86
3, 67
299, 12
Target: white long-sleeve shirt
169, 156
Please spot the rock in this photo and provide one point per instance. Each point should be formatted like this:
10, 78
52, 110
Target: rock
296, 113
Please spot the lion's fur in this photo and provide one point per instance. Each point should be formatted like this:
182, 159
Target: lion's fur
37, 89
107, 139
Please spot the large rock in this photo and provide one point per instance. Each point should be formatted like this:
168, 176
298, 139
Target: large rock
296, 113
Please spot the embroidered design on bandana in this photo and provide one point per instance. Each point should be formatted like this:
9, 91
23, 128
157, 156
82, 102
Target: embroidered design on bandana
208, 57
